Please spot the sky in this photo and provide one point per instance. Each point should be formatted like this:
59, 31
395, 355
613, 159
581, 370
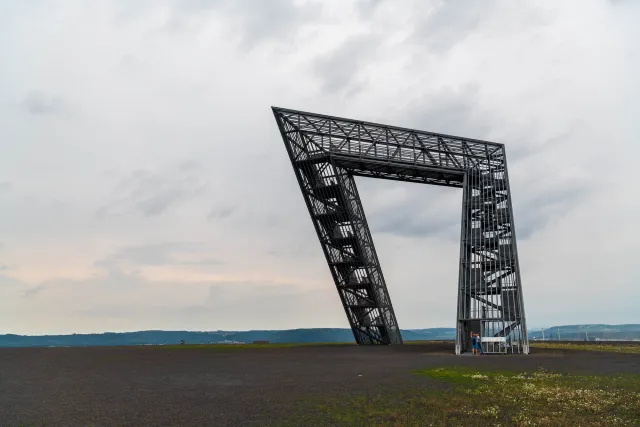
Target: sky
144, 184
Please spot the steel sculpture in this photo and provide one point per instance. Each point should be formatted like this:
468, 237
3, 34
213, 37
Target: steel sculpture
328, 152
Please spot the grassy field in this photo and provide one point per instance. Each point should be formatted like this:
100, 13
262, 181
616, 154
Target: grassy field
615, 347
467, 397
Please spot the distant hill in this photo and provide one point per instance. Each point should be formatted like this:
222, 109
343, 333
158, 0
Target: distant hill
568, 332
590, 331
174, 337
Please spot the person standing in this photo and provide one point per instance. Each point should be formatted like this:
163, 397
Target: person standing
474, 344
479, 341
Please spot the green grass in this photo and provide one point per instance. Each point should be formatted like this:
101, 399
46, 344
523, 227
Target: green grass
631, 347
459, 396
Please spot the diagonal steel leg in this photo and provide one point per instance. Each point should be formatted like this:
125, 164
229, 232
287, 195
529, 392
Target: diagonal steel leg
335, 208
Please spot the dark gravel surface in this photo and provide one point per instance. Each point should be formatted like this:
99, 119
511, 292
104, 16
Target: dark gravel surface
168, 386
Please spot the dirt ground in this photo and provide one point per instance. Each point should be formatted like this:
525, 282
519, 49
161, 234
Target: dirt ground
198, 386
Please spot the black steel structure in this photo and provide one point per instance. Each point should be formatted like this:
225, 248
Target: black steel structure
328, 152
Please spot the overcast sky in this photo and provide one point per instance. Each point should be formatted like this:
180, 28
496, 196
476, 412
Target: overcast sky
144, 185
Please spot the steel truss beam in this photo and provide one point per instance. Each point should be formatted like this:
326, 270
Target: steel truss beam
328, 152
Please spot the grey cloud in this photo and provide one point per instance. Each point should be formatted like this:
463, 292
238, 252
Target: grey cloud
37, 103
424, 211
339, 69
264, 298
517, 152
366, 8
203, 261
550, 204
220, 212
307, 249
33, 291
7, 282
440, 214
451, 22
4, 267
420, 225
447, 110
525, 87
109, 311
153, 193
160, 254
230, 291
116, 276
5, 186
269, 220
448, 24
272, 20
127, 12
188, 165
258, 21
158, 203
225, 306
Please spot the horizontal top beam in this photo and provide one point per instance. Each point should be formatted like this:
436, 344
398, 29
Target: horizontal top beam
369, 141
397, 128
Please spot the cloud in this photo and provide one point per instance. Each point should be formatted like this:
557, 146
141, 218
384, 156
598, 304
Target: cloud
157, 203
38, 103
220, 212
202, 261
152, 193
442, 25
262, 300
173, 99
5, 186
448, 110
275, 20
411, 210
33, 291
537, 211
420, 224
150, 304
366, 8
339, 70
447, 23
255, 23
160, 254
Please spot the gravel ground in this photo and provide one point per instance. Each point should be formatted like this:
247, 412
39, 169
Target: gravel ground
173, 386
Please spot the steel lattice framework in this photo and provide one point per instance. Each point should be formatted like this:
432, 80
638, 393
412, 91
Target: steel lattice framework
328, 152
